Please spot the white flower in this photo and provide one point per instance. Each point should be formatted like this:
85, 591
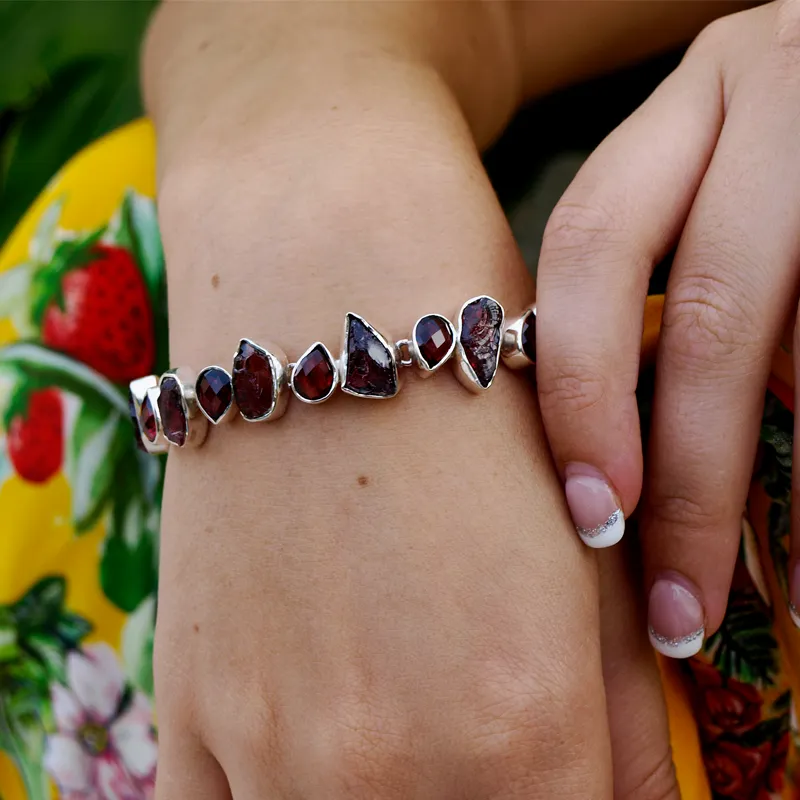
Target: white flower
99, 753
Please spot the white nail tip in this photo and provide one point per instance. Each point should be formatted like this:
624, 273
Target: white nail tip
795, 614
683, 647
605, 535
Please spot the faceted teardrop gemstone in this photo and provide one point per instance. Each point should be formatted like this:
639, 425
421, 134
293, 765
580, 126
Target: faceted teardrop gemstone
371, 368
214, 391
434, 336
147, 417
314, 376
528, 336
481, 325
135, 421
253, 381
173, 412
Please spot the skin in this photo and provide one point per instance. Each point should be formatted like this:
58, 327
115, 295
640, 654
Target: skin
377, 600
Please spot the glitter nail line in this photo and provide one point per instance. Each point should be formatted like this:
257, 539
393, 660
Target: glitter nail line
591, 533
681, 640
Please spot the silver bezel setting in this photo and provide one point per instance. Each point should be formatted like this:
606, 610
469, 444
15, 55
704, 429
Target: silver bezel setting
278, 364
336, 376
425, 370
138, 390
196, 421
511, 350
229, 413
390, 347
464, 372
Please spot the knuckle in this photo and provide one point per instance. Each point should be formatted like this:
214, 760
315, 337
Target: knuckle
715, 37
709, 324
524, 731
575, 231
658, 781
368, 753
683, 512
570, 386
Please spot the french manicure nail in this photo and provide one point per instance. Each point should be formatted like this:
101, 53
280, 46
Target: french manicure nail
594, 505
676, 617
794, 594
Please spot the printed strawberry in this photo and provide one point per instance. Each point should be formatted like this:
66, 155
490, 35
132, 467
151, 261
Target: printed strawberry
96, 309
35, 435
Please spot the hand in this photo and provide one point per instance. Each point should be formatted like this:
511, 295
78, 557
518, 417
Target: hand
711, 160
366, 600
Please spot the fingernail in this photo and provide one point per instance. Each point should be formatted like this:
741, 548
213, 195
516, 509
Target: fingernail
594, 505
794, 594
676, 617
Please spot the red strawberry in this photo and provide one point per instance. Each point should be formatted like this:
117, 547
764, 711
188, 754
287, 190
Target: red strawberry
35, 437
104, 317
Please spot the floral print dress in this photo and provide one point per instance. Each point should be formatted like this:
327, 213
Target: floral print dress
82, 312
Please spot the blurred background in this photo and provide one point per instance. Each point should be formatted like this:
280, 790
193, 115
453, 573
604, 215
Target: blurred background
69, 74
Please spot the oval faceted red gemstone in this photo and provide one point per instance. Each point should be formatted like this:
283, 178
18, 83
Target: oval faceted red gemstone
214, 392
134, 421
481, 323
371, 368
314, 375
148, 420
434, 338
253, 384
528, 336
173, 415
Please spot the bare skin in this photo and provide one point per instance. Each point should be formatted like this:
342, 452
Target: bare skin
368, 599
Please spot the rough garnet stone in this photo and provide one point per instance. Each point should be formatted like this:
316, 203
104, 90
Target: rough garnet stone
434, 337
481, 321
371, 368
134, 421
214, 392
314, 375
253, 384
528, 337
148, 419
173, 415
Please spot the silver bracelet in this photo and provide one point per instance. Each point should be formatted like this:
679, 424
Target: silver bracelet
176, 408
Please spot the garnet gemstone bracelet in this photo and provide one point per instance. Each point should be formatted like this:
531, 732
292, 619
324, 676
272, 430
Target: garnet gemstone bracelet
176, 408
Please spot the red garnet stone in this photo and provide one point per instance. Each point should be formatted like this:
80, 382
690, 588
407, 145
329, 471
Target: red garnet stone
528, 336
314, 375
214, 392
371, 369
173, 414
434, 338
253, 384
147, 416
481, 323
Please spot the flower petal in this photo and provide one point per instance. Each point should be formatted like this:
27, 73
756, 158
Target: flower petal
112, 781
67, 763
97, 680
67, 710
132, 736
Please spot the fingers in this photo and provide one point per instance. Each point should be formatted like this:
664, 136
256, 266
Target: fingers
637, 716
730, 293
186, 769
621, 215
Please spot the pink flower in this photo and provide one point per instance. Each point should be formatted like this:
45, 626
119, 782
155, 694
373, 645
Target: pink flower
99, 753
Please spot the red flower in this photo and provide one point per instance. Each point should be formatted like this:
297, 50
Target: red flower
738, 772
724, 707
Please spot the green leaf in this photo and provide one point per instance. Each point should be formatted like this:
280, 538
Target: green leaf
41, 605
72, 629
137, 645
43, 244
127, 570
9, 649
15, 289
99, 437
50, 652
48, 367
